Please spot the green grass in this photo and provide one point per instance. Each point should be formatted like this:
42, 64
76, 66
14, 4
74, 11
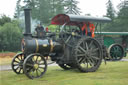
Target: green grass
114, 73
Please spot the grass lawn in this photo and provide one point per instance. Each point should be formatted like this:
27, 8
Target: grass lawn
114, 73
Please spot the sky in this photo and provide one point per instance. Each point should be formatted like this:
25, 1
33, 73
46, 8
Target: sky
93, 7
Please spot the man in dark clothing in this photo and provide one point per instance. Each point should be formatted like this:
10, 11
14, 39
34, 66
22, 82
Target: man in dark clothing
40, 31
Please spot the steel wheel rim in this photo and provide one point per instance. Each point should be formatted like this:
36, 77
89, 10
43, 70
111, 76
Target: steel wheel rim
35, 66
17, 63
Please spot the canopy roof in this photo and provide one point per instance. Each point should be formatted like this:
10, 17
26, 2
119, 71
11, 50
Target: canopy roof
70, 19
112, 33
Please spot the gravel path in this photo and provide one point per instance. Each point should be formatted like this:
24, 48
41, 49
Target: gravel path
8, 67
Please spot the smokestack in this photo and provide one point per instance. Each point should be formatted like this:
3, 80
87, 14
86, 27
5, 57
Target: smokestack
27, 22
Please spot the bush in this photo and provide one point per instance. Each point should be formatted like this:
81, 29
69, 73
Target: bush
10, 37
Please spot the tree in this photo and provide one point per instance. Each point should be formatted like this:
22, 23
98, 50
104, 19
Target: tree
110, 10
122, 19
111, 14
71, 7
44, 10
57, 6
119, 23
18, 9
4, 19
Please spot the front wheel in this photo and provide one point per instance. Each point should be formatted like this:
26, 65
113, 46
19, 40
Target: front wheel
35, 66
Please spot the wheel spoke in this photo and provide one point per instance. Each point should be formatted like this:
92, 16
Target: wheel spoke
16, 61
37, 72
41, 67
95, 57
82, 49
80, 55
18, 58
21, 57
28, 64
90, 43
40, 63
92, 62
86, 45
81, 60
15, 64
79, 51
20, 70
96, 49
37, 58
16, 68
33, 60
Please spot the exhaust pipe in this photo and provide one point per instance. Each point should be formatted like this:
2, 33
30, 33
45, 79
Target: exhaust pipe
27, 22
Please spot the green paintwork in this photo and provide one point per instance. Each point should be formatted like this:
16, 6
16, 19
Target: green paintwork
108, 41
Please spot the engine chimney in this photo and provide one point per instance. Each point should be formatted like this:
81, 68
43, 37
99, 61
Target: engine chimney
27, 22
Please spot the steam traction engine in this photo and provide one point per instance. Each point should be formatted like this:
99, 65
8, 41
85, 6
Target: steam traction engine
69, 47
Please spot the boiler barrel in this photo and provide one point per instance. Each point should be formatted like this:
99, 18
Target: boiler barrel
40, 46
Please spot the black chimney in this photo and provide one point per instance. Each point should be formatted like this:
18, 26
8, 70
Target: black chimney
27, 15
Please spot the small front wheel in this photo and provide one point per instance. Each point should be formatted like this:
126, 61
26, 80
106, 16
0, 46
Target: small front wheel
34, 66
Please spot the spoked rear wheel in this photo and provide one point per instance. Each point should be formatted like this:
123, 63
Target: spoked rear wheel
116, 52
17, 63
34, 66
88, 54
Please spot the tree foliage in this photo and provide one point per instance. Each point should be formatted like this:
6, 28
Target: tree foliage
71, 7
122, 19
120, 22
4, 19
44, 10
110, 10
10, 36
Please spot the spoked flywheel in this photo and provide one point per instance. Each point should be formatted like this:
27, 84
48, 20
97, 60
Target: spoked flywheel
116, 52
34, 66
17, 63
88, 54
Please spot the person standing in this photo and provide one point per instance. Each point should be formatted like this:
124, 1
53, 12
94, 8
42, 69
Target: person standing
40, 31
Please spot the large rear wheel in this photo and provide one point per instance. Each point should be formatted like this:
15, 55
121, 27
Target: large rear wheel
88, 54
